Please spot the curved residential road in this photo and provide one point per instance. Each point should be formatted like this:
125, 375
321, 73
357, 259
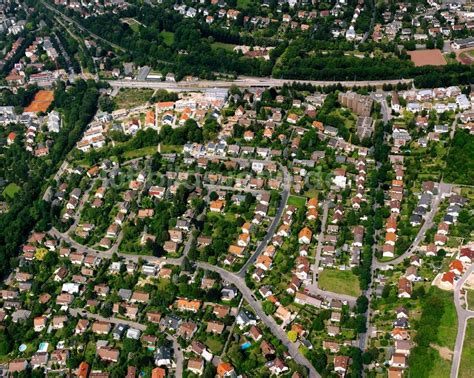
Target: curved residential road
235, 279
276, 220
276, 330
428, 223
463, 316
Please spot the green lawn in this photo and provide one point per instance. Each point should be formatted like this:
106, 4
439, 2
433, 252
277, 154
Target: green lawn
132, 23
221, 45
243, 3
133, 154
470, 299
168, 37
134, 26
441, 367
449, 321
297, 201
339, 281
130, 97
466, 368
169, 149
214, 344
11, 189
150, 150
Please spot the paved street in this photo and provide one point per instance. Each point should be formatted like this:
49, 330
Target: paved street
463, 316
239, 282
313, 288
428, 223
320, 242
48, 193
276, 220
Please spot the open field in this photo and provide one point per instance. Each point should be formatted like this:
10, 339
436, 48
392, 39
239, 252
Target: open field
41, 102
150, 150
466, 369
297, 201
168, 37
221, 45
339, 281
130, 98
427, 58
243, 3
11, 189
449, 321
134, 24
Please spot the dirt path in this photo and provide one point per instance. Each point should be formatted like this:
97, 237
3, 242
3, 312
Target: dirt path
444, 352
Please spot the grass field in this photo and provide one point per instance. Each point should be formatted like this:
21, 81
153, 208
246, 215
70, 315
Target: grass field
11, 189
441, 368
129, 98
168, 37
466, 368
339, 281
297, 201
214, 344
150, 150
243, 3
221, 45
470, 299
442, 337
134, 24
449, 321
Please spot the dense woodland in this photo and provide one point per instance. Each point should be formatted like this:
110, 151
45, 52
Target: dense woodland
27, 210
460, 160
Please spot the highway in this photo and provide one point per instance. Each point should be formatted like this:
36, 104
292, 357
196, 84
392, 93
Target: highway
243, 82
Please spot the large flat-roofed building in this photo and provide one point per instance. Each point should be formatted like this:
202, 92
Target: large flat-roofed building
462, 43
359, 104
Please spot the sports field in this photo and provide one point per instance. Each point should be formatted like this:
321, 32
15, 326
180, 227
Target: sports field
427, 58
41, 102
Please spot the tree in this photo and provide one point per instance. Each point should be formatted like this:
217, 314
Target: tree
362, 304
292, 336
5, 344
268, 307
106, 104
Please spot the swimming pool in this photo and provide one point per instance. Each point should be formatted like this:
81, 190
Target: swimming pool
43, 347
246, 345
